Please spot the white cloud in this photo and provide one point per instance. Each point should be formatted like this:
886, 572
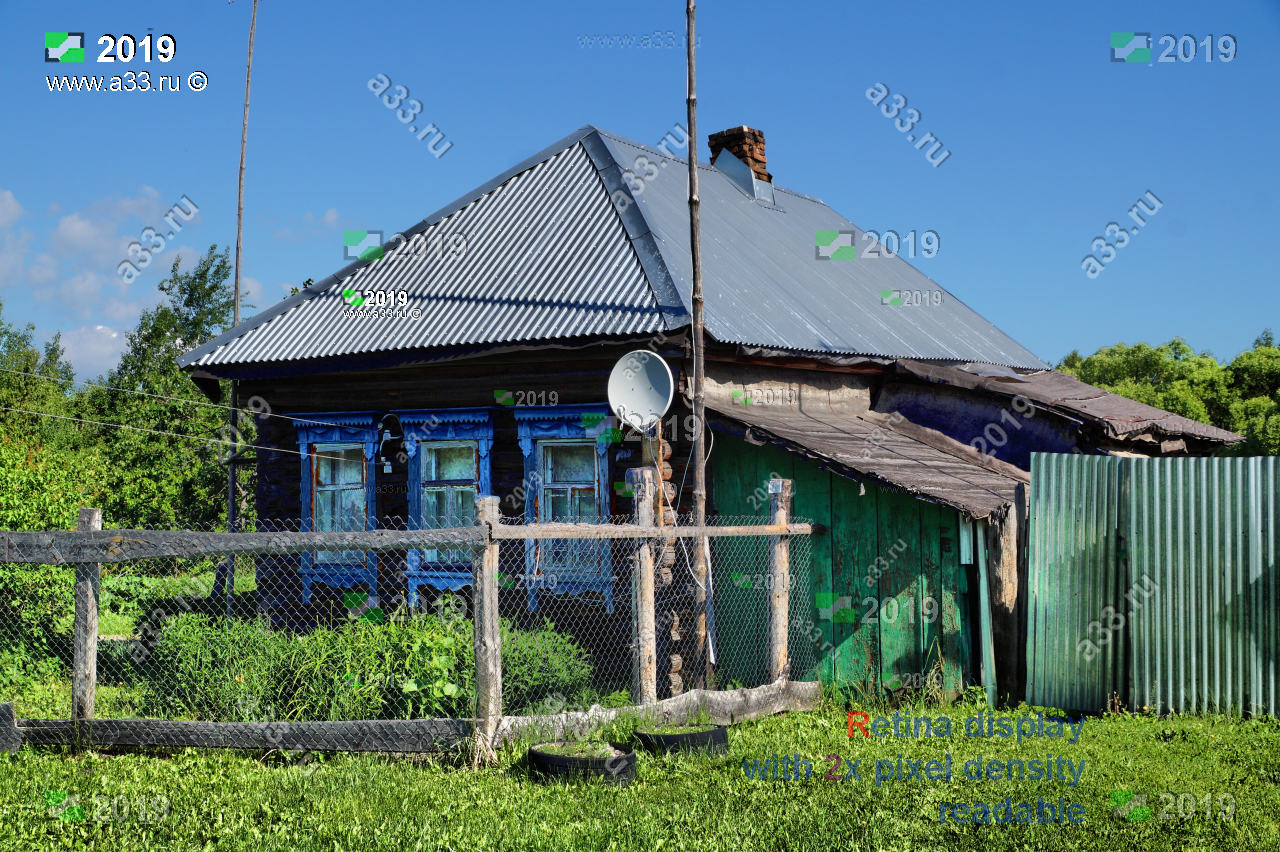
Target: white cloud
77, 235
42, 270
13, 251
331, 217
10, 209
93, 350
252, 293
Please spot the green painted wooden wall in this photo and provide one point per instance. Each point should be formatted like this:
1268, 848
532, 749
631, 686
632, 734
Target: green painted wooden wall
888, 566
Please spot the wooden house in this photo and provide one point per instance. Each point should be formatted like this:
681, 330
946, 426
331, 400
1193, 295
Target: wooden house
476, 363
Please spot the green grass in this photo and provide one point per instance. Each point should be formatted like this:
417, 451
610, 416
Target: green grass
674, 729
678, 802
579, 748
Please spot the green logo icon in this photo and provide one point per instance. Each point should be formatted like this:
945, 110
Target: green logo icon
362, 245
834, 245
65, 807
591, 419
503, 397
1129, 807
506, 581
64, 47
740, 579
741, 398
1131, 47
621, 489
890, 297
833, 607
352, 297
359, 601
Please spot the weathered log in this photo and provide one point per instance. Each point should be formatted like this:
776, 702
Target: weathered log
415, 735
64, 548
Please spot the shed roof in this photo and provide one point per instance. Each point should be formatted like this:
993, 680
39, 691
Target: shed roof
1117, 416
890, 450
564, 245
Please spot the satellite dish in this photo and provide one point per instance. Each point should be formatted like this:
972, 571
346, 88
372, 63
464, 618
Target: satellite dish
641, 389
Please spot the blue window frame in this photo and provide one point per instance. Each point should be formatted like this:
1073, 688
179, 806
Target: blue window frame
566, 468
448, 469
338, 494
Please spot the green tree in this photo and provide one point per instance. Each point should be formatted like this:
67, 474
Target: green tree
1243, 396
157, 480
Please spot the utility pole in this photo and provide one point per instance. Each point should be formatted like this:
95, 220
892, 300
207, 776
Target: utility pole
229, 579
701, 661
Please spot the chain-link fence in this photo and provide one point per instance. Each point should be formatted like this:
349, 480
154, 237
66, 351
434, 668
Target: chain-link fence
386, 631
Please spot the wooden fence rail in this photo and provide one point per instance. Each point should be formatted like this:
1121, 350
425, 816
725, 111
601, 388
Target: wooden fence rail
69, 548
90, 546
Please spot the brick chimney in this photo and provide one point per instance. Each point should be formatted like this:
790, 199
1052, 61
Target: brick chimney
745, 143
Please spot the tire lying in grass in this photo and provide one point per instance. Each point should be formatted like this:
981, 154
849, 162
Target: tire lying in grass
613, 762
709, 738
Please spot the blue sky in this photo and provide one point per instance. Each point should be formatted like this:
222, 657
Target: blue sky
1049, 142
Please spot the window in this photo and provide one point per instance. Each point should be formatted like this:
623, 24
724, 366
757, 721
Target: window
337, 495
449, 482
448, 471
566, 469
338, 501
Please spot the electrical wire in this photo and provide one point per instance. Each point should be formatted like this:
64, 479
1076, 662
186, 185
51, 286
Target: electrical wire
218, 441
171, 398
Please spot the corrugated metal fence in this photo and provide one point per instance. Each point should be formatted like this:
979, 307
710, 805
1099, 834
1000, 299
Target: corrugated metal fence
1155, 581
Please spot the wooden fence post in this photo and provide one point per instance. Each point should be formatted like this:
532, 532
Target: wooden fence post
84, 679
10, 739
779, 586
644, 631
488, 636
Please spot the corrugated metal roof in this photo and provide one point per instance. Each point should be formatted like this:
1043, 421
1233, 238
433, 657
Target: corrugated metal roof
892, 451
550, 255
545, 257
763, 284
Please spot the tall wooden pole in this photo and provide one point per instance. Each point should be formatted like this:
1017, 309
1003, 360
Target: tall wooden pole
84, 672
701, 662
233, 461
244, 137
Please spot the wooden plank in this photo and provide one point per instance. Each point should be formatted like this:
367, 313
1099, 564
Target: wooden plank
722, 707
779, 586
64, 548
644, 632
769, 463
733, 471
414, 735
628, 531
812, 501
950, 614
928, 629
84, 669
899, 524
487, 635
10, 736
854, 512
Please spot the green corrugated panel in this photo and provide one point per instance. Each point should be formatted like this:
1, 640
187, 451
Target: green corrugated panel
1205, 639
1073, 571
1174, 561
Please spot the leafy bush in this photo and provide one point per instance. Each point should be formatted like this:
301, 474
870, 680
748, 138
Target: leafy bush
237, 670
37, 603
207, 667
537, 663
21, 669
